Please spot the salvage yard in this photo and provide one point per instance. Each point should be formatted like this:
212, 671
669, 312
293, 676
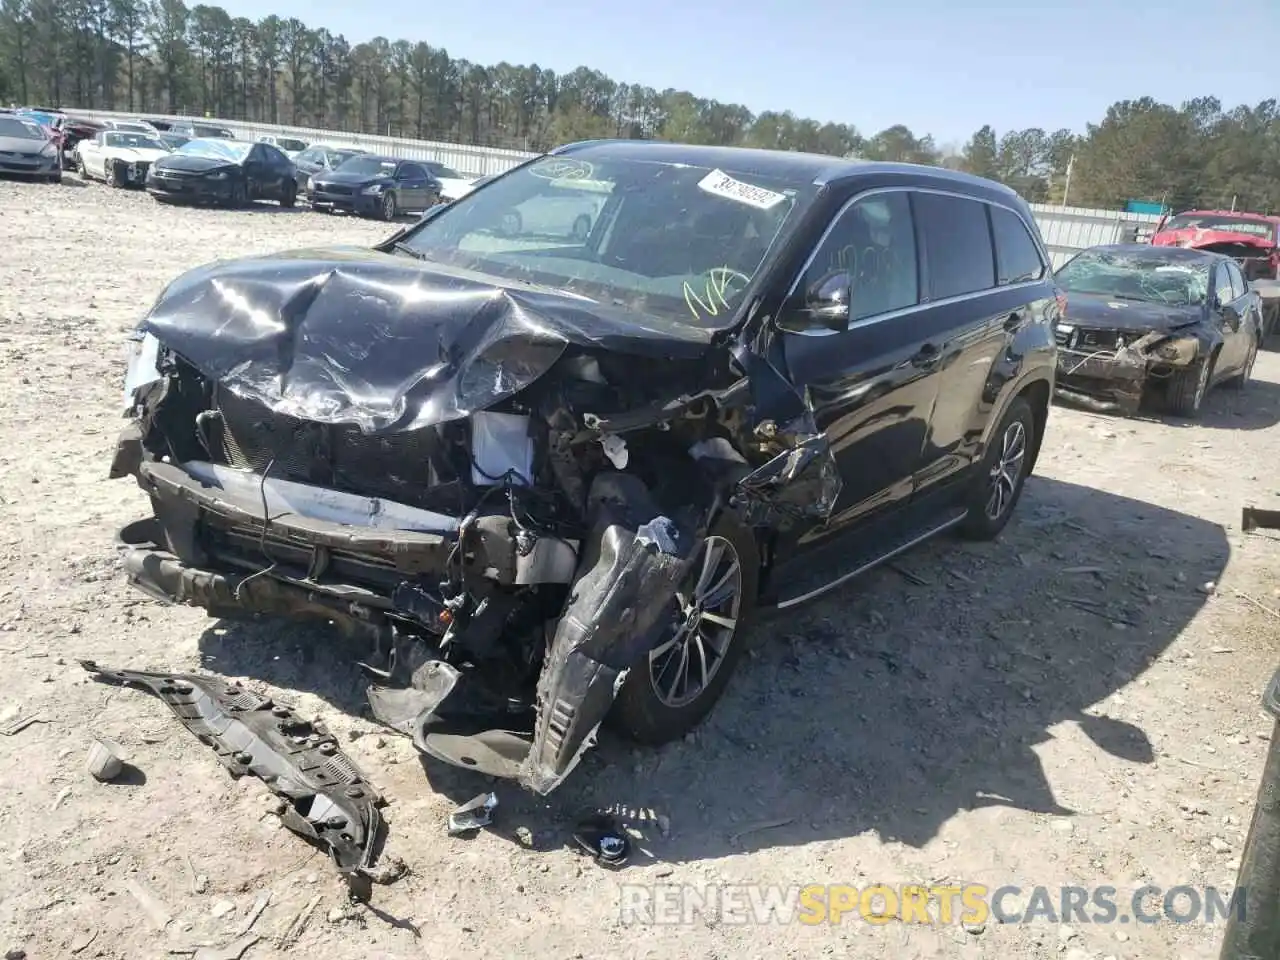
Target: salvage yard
1074, 704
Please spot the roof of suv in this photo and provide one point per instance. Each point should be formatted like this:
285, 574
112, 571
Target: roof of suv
818, 168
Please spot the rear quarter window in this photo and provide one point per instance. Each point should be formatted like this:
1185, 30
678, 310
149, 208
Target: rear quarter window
957, 241
1017, 257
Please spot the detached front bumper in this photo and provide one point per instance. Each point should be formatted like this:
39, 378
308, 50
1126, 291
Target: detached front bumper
130, 174
1118, 378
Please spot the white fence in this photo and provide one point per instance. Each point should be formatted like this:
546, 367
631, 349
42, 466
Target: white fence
1066, 230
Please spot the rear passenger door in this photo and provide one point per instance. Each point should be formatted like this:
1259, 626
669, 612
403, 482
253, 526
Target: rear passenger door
1231, 308
870, 387
980, 260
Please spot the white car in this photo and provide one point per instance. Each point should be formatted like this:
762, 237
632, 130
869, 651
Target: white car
119, 158
452, 184
130, 126
289, 146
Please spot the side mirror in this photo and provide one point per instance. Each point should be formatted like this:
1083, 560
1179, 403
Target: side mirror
827, 301
1230, 313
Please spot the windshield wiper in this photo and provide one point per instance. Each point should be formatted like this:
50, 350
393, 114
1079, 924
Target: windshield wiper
405, 248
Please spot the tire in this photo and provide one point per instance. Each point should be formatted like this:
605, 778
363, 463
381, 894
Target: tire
239, 195
290, 198
388, 209
644, 715
1189, 387
109, 174
1002, 474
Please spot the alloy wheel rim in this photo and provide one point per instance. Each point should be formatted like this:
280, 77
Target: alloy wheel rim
389, 206
682, 667
1007, 471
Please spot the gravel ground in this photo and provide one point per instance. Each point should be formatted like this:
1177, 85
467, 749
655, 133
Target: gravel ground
1076, 703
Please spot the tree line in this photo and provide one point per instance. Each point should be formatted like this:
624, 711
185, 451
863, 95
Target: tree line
161, 56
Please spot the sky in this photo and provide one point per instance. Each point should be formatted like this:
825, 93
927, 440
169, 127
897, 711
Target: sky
944, 67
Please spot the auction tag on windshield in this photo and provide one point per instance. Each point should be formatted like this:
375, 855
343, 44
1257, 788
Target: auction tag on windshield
723, 185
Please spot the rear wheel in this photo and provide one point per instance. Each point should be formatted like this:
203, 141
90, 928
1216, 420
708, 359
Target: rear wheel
1187, 388
290, 195
675, 686
1002, 474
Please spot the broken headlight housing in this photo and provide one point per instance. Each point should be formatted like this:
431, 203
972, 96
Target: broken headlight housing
142, 365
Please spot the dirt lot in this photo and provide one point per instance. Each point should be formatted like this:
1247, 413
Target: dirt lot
992, 714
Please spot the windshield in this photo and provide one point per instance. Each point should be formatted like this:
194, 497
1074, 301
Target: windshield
1213, 221
22, 129
1144, 277
131, 126
672, 240
367, 166
134, 141
174, 140
231, 151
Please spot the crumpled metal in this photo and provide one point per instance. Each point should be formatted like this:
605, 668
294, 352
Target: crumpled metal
383, 341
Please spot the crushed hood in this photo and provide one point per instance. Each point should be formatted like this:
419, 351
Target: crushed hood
384, 341
136, 154
1195, 238
1109, 313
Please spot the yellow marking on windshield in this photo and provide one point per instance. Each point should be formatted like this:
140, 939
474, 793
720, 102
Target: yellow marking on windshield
712, 298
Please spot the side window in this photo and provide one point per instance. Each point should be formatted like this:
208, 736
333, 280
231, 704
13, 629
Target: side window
1239, 286
874, 244
410, 171
958, 243
1017, 258
1222, 286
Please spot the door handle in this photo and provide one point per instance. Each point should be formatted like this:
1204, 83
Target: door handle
926, 356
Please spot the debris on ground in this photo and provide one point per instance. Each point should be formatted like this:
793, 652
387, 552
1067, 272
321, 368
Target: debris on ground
106, 759
232, 951
328, 800
259, 905
19, 724
762, 825
299, 923
600, 836
472, 815
82, 941
151, 905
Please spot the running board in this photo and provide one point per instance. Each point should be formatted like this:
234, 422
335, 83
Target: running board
862, 566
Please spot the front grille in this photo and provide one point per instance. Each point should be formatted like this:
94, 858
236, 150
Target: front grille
411, 467
336, 190
1085, 339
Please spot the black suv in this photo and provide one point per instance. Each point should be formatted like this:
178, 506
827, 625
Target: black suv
549, 472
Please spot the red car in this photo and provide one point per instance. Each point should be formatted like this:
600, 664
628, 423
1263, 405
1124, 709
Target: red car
1251, 239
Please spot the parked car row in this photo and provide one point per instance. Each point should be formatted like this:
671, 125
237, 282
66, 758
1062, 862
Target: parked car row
204, 163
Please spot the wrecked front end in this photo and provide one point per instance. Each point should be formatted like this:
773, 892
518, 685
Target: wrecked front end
1116, 369
498, 492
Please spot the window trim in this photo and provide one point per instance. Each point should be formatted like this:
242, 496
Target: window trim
995, 247
923, 304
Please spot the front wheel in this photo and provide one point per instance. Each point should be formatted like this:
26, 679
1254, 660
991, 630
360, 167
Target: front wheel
289, 196
239, 194
1002, 474
675, 686
388, 209
109, 174
1188, 387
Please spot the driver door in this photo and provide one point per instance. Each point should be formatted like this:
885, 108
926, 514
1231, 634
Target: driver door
91, 155
411, 184
871, 387
1228, 307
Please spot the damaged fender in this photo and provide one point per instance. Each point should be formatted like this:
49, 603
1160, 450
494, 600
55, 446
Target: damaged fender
328, 801
634, 561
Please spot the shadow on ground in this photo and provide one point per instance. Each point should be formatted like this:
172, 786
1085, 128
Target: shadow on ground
915, 693
1227, 407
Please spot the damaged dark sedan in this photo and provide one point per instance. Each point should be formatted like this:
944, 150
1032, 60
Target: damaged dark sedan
1152, 322
548, 477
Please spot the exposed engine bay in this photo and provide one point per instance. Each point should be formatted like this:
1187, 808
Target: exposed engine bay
501, 490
